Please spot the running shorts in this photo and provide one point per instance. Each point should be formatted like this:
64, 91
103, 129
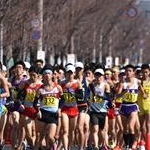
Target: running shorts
111, 113
127, 109
3, 110
30, 112
98, 119
70, 111
48, 117
83, 108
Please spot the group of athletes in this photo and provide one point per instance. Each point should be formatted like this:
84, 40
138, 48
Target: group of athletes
76, 107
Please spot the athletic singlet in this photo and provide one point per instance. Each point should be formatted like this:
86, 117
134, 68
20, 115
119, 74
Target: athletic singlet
118, 100
49, 99
100, 105
2, 102
86, 92
30, 94
15, 88
69, 94
146, 87
144, 103
132, 93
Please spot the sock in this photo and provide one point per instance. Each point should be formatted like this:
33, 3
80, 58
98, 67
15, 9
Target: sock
126, 139
131, 139
147, 144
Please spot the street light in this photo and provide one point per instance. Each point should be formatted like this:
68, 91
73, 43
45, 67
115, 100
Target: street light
1, 41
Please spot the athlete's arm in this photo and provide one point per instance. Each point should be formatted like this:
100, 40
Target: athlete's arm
36, 103
6, 88
60, 90
120, 91
141, 89
107, 95
61, 94
79, 91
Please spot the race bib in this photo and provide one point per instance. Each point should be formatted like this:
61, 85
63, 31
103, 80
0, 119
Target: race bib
80, 100
99, 100
130, 97
30, 97
50, 101
14, 93
69, 98
147, 92
119, 100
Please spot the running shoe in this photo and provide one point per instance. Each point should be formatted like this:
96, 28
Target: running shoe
104, 148
96, 148
134, 146
2, 145
112, 144
117, 147
89, 148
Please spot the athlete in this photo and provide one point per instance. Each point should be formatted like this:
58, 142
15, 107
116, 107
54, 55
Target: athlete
83, 118
119, 127
111, 112
98, 108
128, 90
4, 93
47, 107
17, 84
72, 90
28, 114
144, 105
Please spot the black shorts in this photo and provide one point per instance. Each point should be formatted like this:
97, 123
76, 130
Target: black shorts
98, 119
13, 106
83, 109
49, 117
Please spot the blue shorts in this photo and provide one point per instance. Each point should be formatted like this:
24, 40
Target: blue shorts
127, 109
3, 110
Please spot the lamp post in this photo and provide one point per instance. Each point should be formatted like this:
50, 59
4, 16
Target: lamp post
1, 41
100, 46
40, 14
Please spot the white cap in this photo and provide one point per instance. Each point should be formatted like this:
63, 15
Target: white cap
101, 71
4, 68
79, 64
25, 73
27, 64
138, 69
122, 71
70, 68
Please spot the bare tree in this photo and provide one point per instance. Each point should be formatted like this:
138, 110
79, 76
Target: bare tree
68, 22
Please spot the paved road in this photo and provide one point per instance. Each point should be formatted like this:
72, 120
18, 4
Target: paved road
7, 147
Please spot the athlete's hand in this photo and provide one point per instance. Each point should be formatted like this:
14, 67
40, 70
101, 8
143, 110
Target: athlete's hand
22, 108
59, 113
113, 105
39, 115
144, 96
94, 99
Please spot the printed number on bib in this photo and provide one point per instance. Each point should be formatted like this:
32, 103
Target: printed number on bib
80, 100
130, 97
99, 100
50, 101
68, 98
30, 97
119, 100
147, 92
15, 94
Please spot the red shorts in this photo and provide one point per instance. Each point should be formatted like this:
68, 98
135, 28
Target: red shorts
117, 105
30, 112
70, 111
111, 113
